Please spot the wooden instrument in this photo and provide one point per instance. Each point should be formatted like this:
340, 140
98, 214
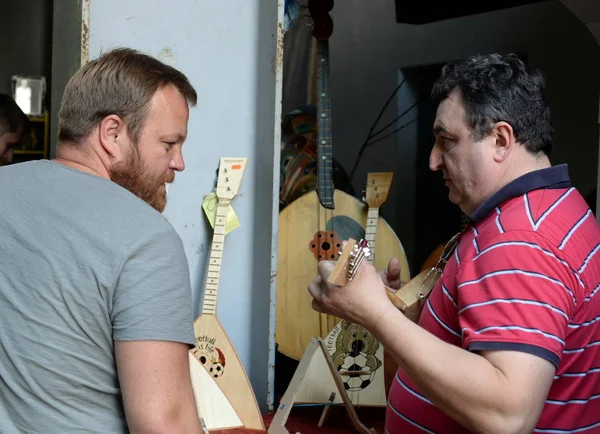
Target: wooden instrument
356, 355
312, 227
407, 299
348, 263
213, 349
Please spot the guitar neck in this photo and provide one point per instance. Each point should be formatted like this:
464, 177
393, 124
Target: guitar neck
371, 230
324, 146
216, 255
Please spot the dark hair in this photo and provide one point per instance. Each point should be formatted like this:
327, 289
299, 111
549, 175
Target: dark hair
12, 117
497, 87
120, 82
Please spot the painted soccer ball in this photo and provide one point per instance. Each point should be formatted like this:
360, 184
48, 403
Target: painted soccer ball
355, 373
216, 370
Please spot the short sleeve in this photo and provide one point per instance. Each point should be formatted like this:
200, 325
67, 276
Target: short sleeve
152, 298
516, 294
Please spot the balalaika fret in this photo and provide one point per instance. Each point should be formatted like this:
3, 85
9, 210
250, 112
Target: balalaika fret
216, 254
371, 230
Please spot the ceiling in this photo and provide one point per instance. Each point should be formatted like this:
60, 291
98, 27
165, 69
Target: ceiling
588, 11
427, 11
424, 11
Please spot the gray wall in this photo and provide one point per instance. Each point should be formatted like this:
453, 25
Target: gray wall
227, 49
368, 49
25, 40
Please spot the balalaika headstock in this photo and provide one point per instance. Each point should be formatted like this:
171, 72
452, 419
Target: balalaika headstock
406, 299
319, 12
377, 188
349, 261
229, 178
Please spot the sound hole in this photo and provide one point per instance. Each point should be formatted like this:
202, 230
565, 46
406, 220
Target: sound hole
325, 245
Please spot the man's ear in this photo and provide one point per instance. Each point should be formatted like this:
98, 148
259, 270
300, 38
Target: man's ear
504, 140
111, 134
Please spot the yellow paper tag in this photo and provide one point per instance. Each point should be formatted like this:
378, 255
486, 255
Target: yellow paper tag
210, 209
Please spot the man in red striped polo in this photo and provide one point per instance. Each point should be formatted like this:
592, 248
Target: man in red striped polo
509, 338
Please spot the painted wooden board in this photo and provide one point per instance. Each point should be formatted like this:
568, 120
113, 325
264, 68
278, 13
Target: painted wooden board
214, 351
361, 372
213, 405
300, 225
356, 354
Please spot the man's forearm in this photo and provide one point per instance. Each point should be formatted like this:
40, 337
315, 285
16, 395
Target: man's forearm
465, 386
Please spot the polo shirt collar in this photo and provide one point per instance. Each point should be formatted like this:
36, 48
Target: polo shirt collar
550, 178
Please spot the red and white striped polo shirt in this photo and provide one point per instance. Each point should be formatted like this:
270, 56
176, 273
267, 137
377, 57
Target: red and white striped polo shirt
524, 277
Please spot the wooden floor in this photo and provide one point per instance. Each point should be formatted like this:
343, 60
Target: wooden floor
304, 420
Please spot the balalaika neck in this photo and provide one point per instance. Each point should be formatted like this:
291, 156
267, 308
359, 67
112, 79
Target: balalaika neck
216, 255
325, 186
371, 231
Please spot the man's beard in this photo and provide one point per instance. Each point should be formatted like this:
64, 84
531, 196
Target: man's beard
134, 176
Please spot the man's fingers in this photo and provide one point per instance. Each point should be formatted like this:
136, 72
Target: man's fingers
325, 268
392, 274
393, 269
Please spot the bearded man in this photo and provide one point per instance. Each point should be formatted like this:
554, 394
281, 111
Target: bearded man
95, 297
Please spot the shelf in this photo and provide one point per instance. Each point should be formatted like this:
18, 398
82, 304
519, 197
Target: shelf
39, 126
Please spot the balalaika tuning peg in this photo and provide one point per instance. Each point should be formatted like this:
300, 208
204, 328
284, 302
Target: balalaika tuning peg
365, 247
364, 194
361, 250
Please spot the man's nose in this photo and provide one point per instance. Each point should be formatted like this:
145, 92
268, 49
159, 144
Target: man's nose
177, 162
435, 157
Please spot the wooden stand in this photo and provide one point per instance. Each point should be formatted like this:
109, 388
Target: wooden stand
315, 350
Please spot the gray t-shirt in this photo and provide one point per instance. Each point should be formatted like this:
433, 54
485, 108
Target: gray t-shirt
82, 262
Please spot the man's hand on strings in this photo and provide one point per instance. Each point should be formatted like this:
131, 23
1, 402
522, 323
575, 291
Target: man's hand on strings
362, 301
